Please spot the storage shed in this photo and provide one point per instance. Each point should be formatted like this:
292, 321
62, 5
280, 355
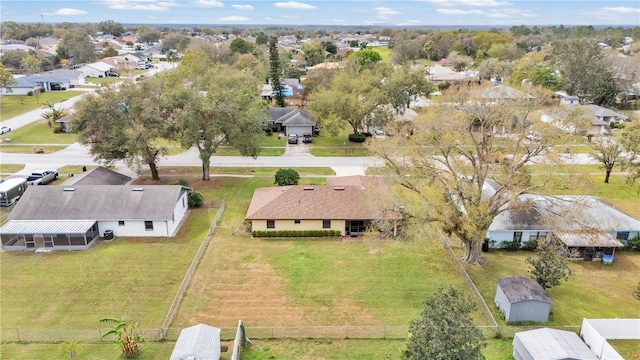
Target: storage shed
198, 342
550, 344
522, 299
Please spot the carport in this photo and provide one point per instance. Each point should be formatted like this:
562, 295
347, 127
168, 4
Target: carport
48, 234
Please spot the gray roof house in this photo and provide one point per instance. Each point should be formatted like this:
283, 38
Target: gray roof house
98, 176
198, 342
522, 299
537, 216
74, 77
292, 120
550, 344
72, 217
30, 83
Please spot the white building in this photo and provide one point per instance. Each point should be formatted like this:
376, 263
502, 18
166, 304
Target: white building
97, 69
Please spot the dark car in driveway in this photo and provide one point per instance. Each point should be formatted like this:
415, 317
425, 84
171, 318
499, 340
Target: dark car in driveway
292, 139
306, 138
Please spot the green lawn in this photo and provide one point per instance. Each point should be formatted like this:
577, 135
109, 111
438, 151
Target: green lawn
111, 279
29, 149
8, 169
384, 52
14, 105
99, 351
37, 133
105, 80
590, 292
628, 349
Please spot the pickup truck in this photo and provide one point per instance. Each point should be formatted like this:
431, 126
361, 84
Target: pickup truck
42, 177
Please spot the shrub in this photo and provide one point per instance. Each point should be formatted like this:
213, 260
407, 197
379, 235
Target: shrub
530, 245
287, 177
181, 182
195, 199
296, 233
510, 245
357, 138
633, 244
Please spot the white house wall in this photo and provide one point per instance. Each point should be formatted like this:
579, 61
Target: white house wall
17, 91
179, 212
135, 228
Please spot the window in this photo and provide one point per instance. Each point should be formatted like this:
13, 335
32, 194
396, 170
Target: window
517, 236
121, 223
326, 224
184, 202
148, 225
297, 221
622, 235
271, 224
537, 235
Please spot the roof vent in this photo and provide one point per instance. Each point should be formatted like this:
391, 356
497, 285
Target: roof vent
338, 188
308, 188
69, 189
137, 189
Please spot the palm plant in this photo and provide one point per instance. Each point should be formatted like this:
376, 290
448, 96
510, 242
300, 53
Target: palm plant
125, 336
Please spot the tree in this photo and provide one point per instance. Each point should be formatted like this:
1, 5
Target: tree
275, 72
111, 27
453, 152
108, 51
329, 47
313, 54
76, 47
262, 39
406, 51
583, 65
549, 267
630, 140
445, 329
172, 57
53, 114
6, 79
241, 46
286, 177
148, 35
125, 124
171, 42
405, 84
214, 105
494, 69
355, 99
125, 336
608, 153
459, 62
366, 57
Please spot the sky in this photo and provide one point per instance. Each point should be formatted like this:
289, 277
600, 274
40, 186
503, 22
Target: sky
328, 12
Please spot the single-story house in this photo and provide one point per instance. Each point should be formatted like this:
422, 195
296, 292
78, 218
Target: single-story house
98, 176
522, 299
502, 92
601, 119
43, 82
346, 204
73, 77
291, 120
550, 344
440, 74
587, 245
311, 70
72, 217
198, 342
96, 69
535, 216
120, 63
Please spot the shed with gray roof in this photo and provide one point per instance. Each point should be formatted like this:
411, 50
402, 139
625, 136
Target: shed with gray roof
522, 299
72, 217
550, 344
198, 342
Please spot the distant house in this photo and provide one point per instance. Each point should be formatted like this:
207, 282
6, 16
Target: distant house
346, 204
74, 77
312, 70
119, 63
601, 117
501, 93
97, 69
43, 82
550, 344
522, 299
72, 218
291, 120
98, 176
440, 74
198, 342
536, 216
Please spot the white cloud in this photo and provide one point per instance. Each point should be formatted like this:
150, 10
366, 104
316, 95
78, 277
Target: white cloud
242, 7
385, 11
234, 19
146, 5
207, 3
294, 5
67, 12
460, 12
621, 10
474, 3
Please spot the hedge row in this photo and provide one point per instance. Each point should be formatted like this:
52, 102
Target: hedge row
296, 233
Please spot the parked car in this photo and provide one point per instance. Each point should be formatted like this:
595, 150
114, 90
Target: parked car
42, 177
292, 139
534, 137
112, 74
316, 131
141, 67
4, 130
306, 138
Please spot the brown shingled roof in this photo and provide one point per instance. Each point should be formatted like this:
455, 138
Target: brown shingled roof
334, 201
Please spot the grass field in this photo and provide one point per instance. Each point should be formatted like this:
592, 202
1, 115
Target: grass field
29, 149
8, 169
628, 349
14, 105
36, 133
123, 276
104, 80
590, 292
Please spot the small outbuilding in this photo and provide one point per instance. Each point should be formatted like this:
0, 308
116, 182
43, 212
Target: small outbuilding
522, 299
550, 344
198, 342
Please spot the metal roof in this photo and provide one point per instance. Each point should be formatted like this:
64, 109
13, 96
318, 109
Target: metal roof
552, 344
47, 226
519, 289
198, 342
587, 238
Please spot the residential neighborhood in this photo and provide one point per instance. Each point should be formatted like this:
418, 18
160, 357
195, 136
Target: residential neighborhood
249, 191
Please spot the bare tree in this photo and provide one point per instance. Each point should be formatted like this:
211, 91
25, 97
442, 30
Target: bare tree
608, 153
